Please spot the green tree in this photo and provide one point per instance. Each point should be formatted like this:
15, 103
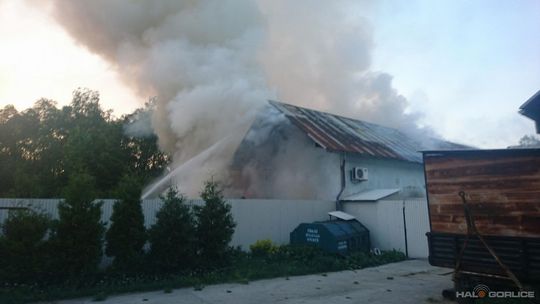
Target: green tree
172, 238
214, 225
141, 144
42, 146
93, 142
127, 234
79, 232
30, 154
23, 247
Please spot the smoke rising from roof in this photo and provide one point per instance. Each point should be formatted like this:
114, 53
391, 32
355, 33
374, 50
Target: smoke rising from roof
214, 63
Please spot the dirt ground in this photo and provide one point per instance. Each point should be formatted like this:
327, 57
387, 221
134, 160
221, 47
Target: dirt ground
412, 281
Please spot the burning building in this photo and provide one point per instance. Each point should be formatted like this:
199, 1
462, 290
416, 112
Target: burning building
298, 153
311, 154
212, 64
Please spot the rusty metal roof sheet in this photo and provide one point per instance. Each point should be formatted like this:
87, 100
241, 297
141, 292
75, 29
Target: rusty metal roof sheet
340, 134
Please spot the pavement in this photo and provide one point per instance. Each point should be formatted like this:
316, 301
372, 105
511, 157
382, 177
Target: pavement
411, 281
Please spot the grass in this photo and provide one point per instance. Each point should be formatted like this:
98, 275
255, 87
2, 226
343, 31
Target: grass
285, 262
100, 297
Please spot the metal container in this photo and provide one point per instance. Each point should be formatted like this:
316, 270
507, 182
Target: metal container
501, 188
337, 236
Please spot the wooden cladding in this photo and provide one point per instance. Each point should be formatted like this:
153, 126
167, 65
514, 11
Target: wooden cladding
502, 189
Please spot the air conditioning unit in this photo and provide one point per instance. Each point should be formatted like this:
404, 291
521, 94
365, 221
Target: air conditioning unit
359, 174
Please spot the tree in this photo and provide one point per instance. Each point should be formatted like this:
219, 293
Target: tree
79, 231
42, 146
172, 238
214, 225
529, 141
23, 247
141, 143
127, 234
93, 142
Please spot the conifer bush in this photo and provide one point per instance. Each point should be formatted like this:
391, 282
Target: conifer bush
24, 247
78, 238
214, 226
172, 238
127, 235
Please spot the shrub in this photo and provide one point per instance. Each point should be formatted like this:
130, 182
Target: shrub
23, 247
172, 238
127, 234
78, 238
214, 226
263, 248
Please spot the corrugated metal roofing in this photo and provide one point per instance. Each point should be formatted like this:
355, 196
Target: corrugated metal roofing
340, 134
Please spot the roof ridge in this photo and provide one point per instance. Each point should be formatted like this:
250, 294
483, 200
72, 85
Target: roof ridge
280, 103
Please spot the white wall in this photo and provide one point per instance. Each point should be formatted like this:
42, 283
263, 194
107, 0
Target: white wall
384, 219
386, 173
256, 218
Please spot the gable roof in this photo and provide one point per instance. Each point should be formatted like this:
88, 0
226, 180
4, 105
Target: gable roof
340, 134
531, 109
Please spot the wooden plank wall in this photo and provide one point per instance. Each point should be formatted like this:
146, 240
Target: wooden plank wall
502, 189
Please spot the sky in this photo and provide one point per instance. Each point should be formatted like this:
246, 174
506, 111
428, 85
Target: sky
39, 59
467, 66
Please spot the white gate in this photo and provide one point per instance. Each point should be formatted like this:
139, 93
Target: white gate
395, 224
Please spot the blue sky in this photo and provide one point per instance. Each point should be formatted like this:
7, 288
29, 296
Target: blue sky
467, 65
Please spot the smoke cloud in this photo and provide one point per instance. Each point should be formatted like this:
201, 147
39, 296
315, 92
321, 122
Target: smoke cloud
214, 63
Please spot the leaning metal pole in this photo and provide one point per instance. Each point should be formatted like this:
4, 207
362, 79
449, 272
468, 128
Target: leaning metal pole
472, 231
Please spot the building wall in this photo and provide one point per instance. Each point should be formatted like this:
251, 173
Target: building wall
386, 173
284, 164
288, 164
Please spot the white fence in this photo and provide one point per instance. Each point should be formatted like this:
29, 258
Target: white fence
275, 219
256, 219
387, 222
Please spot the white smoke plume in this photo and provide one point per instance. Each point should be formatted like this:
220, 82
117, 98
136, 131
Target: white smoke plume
214, 63
140, 124
277, 160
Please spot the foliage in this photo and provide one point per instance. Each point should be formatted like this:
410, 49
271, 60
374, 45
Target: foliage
23, 247
100, 297
529, 141
127, 235
287, 261
78, 238
172, 238
42, 146
262, 248
214, 225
